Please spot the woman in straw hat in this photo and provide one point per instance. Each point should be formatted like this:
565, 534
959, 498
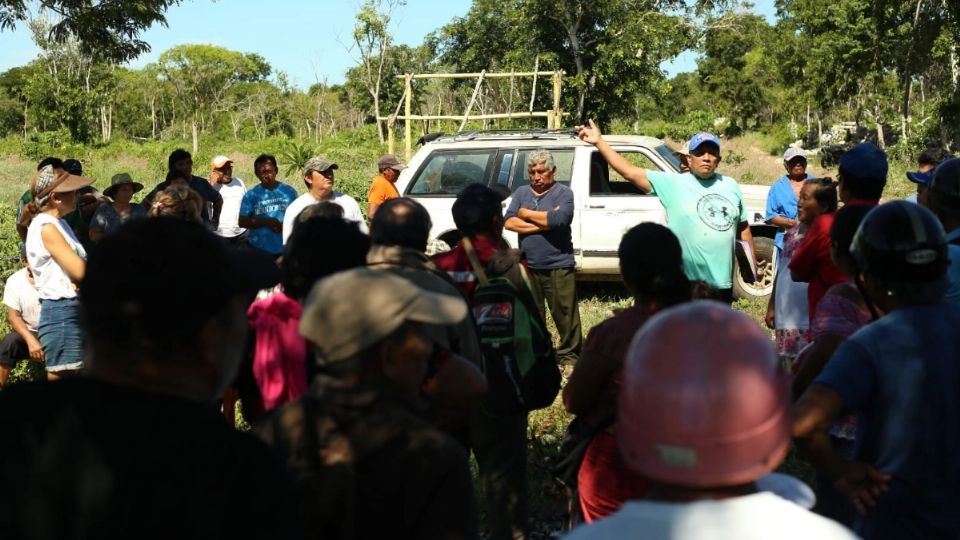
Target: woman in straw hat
58, 261
110, 216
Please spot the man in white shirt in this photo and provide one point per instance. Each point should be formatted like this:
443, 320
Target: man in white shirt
231, 190
22, 300
318, 175
703, 420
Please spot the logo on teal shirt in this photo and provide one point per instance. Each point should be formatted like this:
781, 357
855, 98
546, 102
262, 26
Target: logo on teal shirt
717, 212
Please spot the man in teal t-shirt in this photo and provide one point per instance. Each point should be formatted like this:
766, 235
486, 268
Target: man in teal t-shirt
704, 209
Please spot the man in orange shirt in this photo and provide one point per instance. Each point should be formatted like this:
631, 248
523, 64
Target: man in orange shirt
384, 186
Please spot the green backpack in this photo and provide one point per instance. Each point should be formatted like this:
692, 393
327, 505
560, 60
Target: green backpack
519, 360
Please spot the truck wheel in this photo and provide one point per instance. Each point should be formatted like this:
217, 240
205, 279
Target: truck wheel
766, 271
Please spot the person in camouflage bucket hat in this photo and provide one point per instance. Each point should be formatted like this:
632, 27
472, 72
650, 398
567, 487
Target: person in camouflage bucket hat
318, 175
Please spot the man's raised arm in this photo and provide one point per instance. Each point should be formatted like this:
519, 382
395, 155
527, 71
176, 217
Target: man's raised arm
638, 176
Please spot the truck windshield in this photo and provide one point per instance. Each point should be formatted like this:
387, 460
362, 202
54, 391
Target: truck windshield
667, 154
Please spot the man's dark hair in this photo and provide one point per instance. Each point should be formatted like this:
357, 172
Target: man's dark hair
932, 157
318, 247
262, 158
651, 263
825, 193
401, 222
862, 187
177, 155
57, 163
147, 281
845, 225
476, 209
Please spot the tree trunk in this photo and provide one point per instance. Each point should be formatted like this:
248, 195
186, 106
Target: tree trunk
153, 117
195, 133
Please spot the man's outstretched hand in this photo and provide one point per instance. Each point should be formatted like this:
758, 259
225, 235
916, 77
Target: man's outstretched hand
863, 484
589, 133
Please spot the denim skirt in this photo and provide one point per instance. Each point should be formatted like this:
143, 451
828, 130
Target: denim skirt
60, 334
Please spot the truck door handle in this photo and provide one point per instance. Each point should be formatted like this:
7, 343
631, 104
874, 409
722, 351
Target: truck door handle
596, 206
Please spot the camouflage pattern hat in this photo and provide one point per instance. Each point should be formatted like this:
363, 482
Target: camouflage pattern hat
319, 164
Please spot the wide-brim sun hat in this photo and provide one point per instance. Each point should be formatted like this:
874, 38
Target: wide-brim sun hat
121, 179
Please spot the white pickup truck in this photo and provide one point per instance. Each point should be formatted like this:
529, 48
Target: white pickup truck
606, 205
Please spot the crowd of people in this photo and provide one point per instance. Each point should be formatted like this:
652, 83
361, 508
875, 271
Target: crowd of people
370, 370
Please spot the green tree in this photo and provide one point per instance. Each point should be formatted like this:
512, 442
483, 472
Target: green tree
737, 69
203, 74
612, 49
373, 42
107, 30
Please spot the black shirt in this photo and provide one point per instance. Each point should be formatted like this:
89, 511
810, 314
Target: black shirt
85, 459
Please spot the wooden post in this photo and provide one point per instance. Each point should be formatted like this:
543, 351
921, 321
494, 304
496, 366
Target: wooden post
407, 112
473, 98
533, 91
557, 119
391, 134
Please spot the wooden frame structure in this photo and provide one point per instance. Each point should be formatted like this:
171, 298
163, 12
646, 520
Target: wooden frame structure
554, 116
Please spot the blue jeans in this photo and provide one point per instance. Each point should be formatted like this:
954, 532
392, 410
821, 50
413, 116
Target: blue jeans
60, 334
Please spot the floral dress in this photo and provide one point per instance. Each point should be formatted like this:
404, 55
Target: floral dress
839, 316
790, 304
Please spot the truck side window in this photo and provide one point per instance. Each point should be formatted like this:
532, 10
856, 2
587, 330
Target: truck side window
604, 180
562, 158
447, 173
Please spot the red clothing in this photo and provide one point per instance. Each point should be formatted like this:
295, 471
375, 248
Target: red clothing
604, 481
457, 265
280, 353
812, 263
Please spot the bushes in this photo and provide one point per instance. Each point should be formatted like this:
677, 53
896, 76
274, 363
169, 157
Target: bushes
41, 144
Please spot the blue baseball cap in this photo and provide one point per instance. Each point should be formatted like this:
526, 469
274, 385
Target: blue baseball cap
700, 138
922, 178
865, 161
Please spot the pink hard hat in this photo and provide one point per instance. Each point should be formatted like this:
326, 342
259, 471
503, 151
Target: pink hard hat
704, 402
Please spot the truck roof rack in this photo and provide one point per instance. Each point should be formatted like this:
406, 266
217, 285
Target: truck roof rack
526, 133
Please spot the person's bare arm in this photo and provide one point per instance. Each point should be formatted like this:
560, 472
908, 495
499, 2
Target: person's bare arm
62, 253
586, 383
771, 318
782, 222
638, 176
217, 207
15, 318
248, 222
372, 209
814, 360
744, 233
520, 226
95, 233
812, 416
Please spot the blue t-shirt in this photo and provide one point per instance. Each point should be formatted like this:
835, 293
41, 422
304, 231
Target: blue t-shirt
552, 248
705, 215
901, 376
782, 202
261, 202
953, 273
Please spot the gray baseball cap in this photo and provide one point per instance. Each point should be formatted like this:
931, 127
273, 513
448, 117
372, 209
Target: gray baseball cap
390, 161
794, 152
319, 164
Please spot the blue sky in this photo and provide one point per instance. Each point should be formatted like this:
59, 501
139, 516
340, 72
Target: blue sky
302, 38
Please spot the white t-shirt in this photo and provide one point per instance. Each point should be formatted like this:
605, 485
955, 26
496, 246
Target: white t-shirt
760, 516
232, 194
351, 211
20, 295
52, 282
